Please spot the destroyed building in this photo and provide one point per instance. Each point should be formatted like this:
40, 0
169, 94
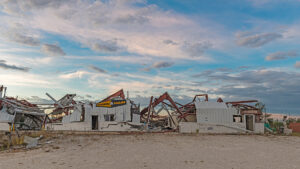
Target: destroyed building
163, 113
202, 116
220, 117
20, 114
114, 113
117, 113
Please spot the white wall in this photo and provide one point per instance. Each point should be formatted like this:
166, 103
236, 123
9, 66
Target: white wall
259, 128
122, 113
214, 112
190, 127
4, 127
75, 126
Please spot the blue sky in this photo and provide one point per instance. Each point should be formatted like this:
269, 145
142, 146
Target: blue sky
237, 50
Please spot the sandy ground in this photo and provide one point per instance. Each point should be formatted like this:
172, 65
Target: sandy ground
160, 151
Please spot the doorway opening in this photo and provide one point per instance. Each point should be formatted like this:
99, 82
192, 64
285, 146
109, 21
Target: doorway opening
249, 122
94, 122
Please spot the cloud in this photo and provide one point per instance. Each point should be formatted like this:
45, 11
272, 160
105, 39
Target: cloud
18, 7
40, 61
88, 96
116, 58
144, 101
204, 73
277, 88
3, 65
131, 19
77, 74
158, 65
169, 42
144, 84
38, 100
297, 64
19, 37
247, 39
281, 55
34, 82
224, 69
52, 50
130, 86
207, 73
243, 67
292, 32
140, 28
97, 69
106, 47
196, 49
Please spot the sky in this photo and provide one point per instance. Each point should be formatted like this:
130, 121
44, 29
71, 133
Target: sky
236, 50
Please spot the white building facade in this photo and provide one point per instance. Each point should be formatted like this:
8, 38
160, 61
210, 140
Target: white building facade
215, 117
90, 117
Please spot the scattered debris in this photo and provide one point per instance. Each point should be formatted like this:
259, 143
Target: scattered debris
31, 142
49, 142
20, 114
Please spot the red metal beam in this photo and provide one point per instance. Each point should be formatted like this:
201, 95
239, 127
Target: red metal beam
245, 101
149, 109
248, 108
205, 95
23, 102
245, 106
118, 93
163, 97
220, 100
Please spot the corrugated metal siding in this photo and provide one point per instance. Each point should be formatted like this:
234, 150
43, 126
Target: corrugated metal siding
213, 112
87, 115
209, 105
127, 111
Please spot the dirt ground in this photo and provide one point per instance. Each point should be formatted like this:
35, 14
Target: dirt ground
159, 151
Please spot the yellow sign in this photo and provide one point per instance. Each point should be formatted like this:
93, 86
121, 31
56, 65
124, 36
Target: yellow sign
104, 104
111, 103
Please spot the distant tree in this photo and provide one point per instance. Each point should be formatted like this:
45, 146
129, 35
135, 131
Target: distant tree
261, 106
277, 125
290, 120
